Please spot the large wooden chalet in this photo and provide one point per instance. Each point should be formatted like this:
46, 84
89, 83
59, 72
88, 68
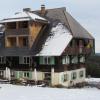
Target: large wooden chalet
47, 44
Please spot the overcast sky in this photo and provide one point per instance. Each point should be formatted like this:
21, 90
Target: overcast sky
87, 12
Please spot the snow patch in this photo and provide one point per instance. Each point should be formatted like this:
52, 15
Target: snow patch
92, 79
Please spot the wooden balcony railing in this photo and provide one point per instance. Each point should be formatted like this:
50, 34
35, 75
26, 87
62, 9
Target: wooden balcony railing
77, 50
22, 31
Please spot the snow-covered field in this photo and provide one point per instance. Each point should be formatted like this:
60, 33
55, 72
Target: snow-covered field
12, 92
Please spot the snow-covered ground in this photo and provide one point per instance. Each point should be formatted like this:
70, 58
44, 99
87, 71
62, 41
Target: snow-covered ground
12, 92
93, 79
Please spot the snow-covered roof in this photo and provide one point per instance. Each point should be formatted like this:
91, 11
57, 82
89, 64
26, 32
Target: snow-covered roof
23, 16
56, 42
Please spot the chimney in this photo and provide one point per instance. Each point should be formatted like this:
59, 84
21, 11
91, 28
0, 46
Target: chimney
43, 10
27, 9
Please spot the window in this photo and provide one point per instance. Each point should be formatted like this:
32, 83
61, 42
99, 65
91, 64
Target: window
74, 75
82, 59
75, 60
26, 60
65, 77
26, 74
65, 60
11, 42
1, 73
11, 25
2, 60
47, 76
81, 74
12, 74
23, 41
47, 60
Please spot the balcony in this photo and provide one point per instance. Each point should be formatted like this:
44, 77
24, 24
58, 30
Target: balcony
77, 50
20, 31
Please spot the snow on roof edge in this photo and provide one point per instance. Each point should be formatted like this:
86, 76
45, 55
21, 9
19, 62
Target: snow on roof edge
23, 16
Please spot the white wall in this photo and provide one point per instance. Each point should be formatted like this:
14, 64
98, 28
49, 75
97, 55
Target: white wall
58, 78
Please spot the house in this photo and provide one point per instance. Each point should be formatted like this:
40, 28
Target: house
47, 44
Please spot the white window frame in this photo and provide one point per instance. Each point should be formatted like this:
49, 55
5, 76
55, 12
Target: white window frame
26, 74
75, 60
81, 74
47, 62
1, 73
26, 58
65, 77
3, 60
74, 75
65, 60
82, 59
47, 76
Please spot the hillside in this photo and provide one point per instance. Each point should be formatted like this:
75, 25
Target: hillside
93, 65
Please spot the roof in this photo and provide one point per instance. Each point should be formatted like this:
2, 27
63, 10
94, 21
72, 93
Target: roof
54, 38
23, 16
56, 42
64, 17
55, 46
77, 30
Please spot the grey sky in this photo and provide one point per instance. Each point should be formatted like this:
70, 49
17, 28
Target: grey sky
85, 11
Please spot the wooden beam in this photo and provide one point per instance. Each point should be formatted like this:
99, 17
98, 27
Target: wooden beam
17, 41
17, 25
